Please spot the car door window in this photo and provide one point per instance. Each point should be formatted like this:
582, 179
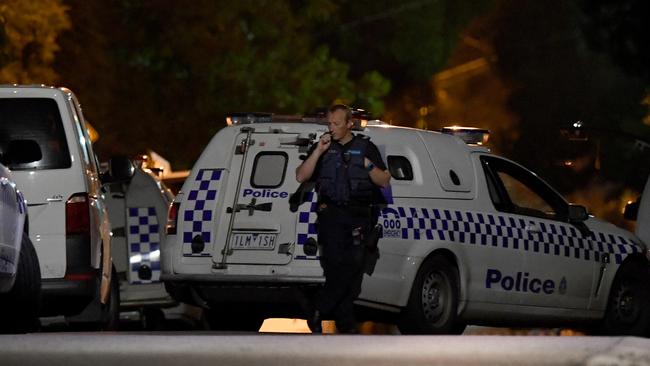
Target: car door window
516, 190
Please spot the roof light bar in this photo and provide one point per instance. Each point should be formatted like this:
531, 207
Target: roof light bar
470, 135
243, 118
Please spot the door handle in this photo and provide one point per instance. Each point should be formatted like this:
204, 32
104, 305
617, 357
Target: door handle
251, 207
268, 206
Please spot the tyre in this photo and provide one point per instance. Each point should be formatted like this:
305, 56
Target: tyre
628, 307
19, 308
433, 302
110, 312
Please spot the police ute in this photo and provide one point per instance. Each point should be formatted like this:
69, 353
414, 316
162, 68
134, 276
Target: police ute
468, 237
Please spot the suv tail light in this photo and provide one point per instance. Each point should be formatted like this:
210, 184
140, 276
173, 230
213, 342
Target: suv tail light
172, 218
77, 214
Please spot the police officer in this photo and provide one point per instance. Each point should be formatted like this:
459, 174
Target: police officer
348, 171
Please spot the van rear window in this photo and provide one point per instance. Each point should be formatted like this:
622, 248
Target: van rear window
269, 169
37, 119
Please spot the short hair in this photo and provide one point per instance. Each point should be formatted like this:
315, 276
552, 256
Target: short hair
341, 107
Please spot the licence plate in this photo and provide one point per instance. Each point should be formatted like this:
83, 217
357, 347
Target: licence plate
259, 241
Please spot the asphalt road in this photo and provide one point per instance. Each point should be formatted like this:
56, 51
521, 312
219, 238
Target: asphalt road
207, 348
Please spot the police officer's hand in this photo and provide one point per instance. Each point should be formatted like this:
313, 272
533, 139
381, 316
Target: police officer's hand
324, 142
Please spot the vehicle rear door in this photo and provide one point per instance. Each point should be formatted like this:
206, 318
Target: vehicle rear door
48, 182
258, 227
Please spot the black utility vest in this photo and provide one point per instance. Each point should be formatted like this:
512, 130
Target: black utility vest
343, 176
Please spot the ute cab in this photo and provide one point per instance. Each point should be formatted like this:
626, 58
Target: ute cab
468, 237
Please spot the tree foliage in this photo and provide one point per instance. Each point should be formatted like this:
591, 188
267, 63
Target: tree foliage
28, 39
620, 29
407, 42
173, 71
558, 80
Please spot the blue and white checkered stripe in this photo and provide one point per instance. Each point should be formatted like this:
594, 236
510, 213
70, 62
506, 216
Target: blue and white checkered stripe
306, 227
497, 230
144, 243
198, 211
486, 229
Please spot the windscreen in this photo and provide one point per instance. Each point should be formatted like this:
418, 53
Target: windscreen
36, 119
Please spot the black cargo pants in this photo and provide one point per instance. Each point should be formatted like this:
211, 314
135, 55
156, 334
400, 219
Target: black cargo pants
341, 233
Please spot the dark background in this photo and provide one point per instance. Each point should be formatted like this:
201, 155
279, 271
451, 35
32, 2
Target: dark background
162, 74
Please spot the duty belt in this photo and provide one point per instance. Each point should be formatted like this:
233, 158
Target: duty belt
352, 208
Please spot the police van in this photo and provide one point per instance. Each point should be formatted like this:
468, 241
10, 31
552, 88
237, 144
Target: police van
468, 237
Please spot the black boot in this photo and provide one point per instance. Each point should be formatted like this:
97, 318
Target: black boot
314, 322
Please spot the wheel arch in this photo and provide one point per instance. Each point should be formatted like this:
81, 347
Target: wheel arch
413, 318
636, 266
634, 259
453, 259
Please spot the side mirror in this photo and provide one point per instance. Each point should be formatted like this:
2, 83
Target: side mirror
22, 152
120, 169
632, 210
577, 213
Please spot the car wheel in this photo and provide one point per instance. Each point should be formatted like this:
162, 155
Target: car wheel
628, 307
19, 308
433, 301
110, 312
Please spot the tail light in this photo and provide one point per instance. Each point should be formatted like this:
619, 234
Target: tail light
77, 214
172, 218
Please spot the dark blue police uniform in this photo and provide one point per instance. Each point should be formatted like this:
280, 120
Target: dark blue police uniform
345, 217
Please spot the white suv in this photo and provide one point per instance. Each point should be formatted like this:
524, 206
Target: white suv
20, 276
68, 222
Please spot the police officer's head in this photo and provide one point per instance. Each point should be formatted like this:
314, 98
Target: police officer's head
339, 120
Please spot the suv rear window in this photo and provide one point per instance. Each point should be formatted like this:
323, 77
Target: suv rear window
35, 119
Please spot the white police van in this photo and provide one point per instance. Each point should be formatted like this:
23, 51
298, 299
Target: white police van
468, 237
20, 275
